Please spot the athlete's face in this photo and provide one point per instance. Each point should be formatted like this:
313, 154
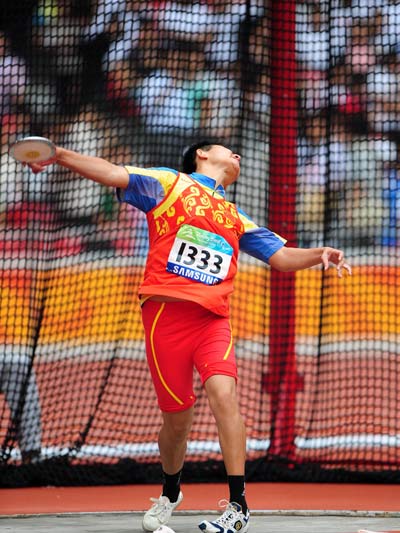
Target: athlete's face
223, 157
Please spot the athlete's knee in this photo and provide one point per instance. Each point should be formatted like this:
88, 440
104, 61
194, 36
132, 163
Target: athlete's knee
221, 392
178, 423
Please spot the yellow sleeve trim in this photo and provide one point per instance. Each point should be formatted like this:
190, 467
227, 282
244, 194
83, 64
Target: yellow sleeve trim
166, 178
250, 225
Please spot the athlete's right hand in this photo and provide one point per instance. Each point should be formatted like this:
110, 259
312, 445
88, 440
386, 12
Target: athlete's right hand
39, 167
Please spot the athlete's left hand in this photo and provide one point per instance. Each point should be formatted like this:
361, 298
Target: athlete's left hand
336, 257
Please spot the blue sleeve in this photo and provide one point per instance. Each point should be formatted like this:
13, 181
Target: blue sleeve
146, 187
261, 243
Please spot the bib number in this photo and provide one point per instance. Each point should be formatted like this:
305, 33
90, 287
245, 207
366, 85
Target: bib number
200, 255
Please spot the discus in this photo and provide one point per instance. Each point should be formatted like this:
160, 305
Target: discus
32, 150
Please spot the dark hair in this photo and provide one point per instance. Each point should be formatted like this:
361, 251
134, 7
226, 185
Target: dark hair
189, 153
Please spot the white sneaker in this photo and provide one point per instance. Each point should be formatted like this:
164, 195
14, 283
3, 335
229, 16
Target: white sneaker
160, 512
232, 520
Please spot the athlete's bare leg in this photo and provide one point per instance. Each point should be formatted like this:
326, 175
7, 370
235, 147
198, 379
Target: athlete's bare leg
172, 439
221, 392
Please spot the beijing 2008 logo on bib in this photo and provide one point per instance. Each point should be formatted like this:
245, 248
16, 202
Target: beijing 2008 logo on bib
200, 255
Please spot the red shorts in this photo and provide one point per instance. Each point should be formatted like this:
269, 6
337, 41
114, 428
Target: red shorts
181, 336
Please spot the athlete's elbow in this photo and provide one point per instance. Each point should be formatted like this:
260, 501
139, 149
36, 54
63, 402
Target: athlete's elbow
118, 177
283, 267
279, 261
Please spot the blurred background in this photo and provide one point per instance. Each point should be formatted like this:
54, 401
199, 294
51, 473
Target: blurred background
307, 92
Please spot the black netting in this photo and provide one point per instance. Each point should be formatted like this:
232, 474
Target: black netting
308, 93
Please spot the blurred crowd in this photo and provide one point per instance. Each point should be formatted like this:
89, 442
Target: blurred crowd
136, 81
348, 150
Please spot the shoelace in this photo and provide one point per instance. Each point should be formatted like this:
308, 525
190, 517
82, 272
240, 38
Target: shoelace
160, 506
228, 514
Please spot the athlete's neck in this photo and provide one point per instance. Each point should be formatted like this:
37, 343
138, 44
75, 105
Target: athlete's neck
216, 174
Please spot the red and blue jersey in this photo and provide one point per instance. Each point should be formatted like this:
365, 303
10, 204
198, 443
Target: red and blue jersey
195, 236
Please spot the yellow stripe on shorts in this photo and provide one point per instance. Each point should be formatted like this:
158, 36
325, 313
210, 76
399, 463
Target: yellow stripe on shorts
153, 351
230, 345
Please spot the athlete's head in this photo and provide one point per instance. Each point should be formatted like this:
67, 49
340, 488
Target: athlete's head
210, 154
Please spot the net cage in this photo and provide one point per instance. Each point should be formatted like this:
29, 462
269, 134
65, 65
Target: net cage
307, 93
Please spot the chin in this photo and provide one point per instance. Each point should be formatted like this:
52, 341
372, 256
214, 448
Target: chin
230, 180
235, 175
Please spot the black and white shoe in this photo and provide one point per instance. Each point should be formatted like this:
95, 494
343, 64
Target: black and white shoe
232, 520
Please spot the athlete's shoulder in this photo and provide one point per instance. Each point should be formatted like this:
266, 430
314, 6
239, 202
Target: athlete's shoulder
248, 222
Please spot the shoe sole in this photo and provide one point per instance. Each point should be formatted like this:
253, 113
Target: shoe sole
204, 529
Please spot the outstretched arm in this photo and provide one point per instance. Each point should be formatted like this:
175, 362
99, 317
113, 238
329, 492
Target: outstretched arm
93, 168
291, 259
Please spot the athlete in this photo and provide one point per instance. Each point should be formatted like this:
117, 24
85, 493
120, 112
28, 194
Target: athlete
194, 240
